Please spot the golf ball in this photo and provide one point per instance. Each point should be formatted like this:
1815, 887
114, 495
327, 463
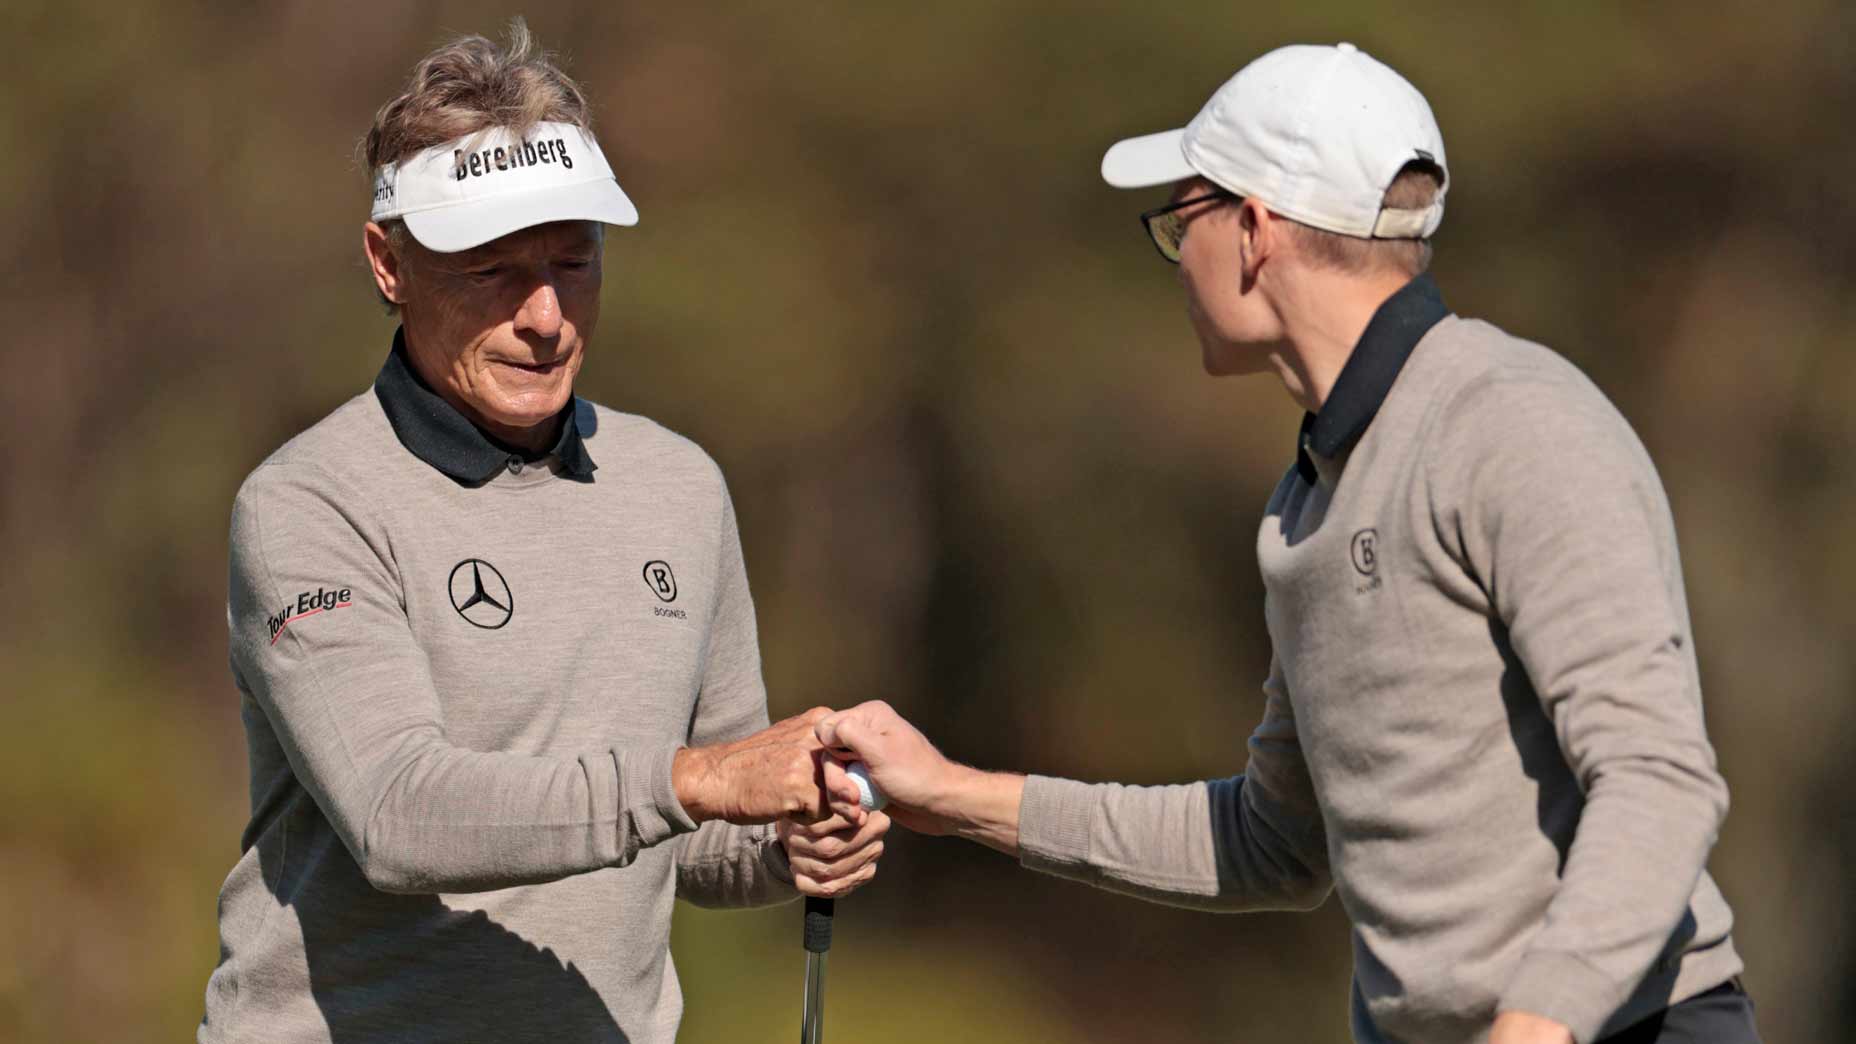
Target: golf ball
870, 796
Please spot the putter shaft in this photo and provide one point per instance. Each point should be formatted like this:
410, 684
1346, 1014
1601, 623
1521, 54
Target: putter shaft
812, 1023
817, 942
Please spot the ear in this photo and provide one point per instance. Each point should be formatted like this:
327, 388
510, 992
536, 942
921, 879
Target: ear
1259, 237
386, 264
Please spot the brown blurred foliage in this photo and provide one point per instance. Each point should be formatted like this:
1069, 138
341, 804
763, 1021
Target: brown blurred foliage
978, 470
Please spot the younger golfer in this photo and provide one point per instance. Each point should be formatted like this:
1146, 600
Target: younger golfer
1483, 726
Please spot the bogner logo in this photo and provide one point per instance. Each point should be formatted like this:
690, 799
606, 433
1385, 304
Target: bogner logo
527, 154
309, 603
663, 584
1365, 554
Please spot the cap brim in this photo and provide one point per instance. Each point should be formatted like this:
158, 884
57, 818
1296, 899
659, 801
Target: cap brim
447, 230
1151, 159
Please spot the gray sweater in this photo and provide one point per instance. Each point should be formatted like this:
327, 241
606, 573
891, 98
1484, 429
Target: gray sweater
461, 698
1483, 722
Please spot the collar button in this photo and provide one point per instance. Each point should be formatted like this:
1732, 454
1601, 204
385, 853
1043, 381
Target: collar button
515, 465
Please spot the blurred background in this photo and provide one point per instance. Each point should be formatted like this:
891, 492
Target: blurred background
978, 470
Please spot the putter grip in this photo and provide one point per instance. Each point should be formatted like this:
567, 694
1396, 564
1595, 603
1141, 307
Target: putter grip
818, 924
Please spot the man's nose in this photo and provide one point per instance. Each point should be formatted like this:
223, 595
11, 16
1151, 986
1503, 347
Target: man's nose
541, 311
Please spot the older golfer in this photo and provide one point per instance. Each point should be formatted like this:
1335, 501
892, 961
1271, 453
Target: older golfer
1483, 724
494, 643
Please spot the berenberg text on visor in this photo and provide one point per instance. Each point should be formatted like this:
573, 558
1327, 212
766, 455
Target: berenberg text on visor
485, 161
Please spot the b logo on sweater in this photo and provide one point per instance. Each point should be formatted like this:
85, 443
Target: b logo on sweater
1366, 551
662, 581
663, 584
1365, 554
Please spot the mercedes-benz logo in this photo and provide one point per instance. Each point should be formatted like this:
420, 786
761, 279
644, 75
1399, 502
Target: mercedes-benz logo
480, 594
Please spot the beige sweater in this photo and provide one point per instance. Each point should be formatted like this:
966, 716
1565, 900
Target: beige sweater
1483, 725
463, 678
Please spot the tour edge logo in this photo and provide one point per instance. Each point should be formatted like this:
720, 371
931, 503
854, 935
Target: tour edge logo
528, 154
309, 603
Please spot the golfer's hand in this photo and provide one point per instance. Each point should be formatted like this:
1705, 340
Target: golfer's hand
910, 772
1519, 1027
927, 793
831, 862
777, 773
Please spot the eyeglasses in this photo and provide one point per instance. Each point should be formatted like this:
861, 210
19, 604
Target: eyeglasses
1167, 226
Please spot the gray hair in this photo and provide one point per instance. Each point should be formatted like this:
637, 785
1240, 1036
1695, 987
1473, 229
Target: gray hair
465, 86
468, 85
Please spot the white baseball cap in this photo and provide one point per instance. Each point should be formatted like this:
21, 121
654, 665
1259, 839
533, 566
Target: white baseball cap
467, 192
1314, 133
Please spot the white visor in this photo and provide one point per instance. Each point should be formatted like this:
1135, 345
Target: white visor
467, 192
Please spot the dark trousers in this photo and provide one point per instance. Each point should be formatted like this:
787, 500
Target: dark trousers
1723, 1015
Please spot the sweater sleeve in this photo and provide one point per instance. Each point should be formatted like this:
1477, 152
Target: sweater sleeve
320, 637
721, 864
1249, 842
1555, 508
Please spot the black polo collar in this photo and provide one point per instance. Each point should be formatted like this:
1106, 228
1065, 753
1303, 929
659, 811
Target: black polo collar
1395, 329
438, 434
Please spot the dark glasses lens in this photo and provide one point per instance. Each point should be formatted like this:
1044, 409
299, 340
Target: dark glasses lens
1169, 231
1167, 225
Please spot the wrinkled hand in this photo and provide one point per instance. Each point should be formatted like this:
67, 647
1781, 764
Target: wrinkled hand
1520, 1027
833, 857
777, 773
